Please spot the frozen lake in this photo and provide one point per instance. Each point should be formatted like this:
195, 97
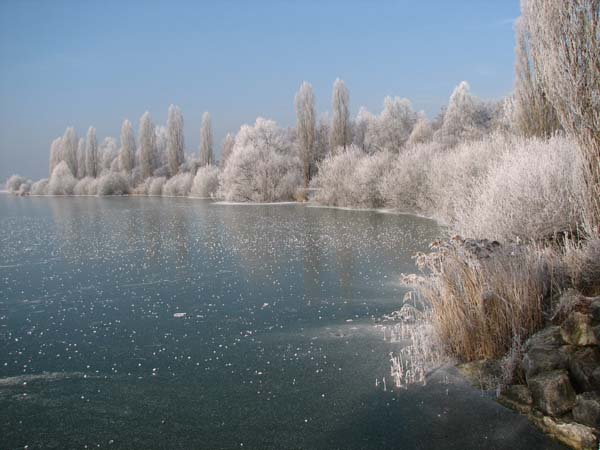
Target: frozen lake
141, 323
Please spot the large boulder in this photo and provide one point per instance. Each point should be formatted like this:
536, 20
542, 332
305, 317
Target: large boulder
575, 435
542, 352
552, 392
587, 409
517, 397
577, 329
584, 367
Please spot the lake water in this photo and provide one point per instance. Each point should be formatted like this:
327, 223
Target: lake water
163, 323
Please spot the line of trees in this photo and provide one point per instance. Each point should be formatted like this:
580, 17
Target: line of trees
262, 162
363, 161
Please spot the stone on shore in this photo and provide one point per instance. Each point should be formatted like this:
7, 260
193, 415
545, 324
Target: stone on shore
552, 392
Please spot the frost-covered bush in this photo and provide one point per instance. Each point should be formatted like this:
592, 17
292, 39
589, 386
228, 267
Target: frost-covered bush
113, 183
352, 178
333, 182
155, 185
262, 167
86, 186
39, 187
532, 191
25, 188
406, 185
152, 186
453, 172
206, 182
13, 184
62, 181
178, 186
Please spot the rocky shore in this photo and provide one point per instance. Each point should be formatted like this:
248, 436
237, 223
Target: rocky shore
561, 372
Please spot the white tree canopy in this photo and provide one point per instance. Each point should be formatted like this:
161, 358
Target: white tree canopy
127, 155
91, 153
306, 127
206, 141
340, 125
175, 139
147, 146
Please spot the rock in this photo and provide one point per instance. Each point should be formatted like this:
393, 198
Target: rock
541, 352
517, 397
552, 392
577, 329
483, 374
584, 367
587, 409
595, 310
574, 435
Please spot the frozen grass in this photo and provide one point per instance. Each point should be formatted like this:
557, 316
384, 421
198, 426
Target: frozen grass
477, 305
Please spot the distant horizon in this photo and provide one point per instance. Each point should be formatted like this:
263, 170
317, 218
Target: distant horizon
69, 64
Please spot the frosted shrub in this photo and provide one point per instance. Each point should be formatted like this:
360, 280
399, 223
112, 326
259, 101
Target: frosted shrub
454, 172
25, 188
531, 192
335, 179
406, 185
113, 183
262, 167
62, 181
206, 182
86, 186
368, 174
178, 186
352, 178
152, 186
155, 185
13, 184
39, 187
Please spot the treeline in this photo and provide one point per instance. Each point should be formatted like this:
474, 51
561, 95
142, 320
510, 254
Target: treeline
522, 167
262, 162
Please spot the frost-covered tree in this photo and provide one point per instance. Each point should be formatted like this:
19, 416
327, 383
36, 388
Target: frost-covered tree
147, 146
422, 131
340, 126
175, 141
81, 158
322, 142
69, 149
226, 149
393, 126
91, 153
108, 153
161, 141
206, 141
306, 127
55, 153
127, 155
565, 50
532, 113
364, 120
466, 117
62, 181
262, 166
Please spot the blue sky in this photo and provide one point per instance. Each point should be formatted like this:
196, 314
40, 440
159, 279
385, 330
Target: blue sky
96, 63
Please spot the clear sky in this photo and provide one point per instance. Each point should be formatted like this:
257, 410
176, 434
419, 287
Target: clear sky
96, 63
